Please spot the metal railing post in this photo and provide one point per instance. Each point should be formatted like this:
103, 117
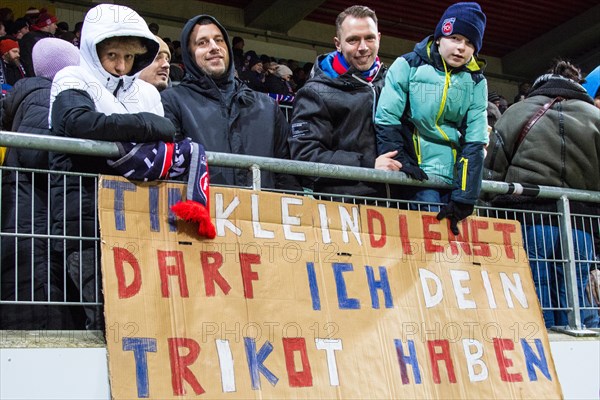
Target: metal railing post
568, 254
256, 183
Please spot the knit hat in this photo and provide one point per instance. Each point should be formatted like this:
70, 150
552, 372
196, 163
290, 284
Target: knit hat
32, 11
16, 26
50, 55
465, 19
493, 96
7, 45
283, 70
251, 58
43, 21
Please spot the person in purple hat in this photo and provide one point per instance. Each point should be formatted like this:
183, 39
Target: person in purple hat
432, 111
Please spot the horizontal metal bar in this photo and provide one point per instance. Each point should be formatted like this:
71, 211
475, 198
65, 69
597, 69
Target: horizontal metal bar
110, 150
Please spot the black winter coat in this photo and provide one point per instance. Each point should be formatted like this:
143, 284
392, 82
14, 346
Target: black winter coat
228, 118
74, 115
24, 203
332, 123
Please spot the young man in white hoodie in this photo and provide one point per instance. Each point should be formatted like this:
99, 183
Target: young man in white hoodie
101, 99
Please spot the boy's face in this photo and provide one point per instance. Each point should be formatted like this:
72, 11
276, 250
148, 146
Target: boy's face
456, 50
116, 58
208, 47
358, 41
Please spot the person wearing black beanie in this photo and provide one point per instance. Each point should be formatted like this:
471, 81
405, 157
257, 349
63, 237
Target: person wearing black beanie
432, 111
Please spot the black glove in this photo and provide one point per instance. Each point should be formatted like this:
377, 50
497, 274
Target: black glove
414, 172
455, 212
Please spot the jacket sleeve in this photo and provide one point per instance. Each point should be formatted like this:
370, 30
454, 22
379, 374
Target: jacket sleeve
496, 162
74, 115
391, 134
469, 163
282, 150
171, 111
312, 137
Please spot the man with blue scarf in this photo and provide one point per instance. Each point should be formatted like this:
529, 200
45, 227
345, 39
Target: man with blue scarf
332, 120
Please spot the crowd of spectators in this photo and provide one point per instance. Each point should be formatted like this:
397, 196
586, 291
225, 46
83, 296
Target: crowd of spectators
348, 109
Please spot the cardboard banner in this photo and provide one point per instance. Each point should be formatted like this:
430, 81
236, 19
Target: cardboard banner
298, 298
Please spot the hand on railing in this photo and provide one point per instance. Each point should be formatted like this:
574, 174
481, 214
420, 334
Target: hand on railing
593, 287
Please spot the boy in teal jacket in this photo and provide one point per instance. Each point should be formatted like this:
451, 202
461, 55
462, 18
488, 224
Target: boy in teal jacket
432, 110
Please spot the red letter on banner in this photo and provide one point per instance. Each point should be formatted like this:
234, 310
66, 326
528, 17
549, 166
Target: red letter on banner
429, 236
297, 378
371, 215
462, 238
404, 235
479, 249
246, 261
211, 262
444, 356
177, 269
122, 256
506, 230
180, 365
500, 346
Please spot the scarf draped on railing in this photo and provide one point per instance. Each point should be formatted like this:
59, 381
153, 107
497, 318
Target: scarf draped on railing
159, 160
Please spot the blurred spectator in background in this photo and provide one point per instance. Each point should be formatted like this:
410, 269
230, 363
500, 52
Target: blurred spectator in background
299, 78
157, 73
278, 81
493, 112
77, 33
25, 260
253, 75
44, 26
17, 29
11, 69
6, 16
31, 15
524, 88
238, 53
154, 28
551, 138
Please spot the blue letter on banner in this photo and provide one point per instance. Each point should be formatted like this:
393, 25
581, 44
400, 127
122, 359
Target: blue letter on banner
383, 284
140, 346
120, 188
343, 301
256, 360
314, 287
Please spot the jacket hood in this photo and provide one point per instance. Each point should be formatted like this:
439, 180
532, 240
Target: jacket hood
556, 85
189, 60
349, 80
428, 51
106, 21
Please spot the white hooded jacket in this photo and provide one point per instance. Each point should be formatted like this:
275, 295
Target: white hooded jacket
111, 94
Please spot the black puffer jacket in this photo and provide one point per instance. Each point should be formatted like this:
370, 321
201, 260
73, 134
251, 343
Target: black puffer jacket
228, 118
332, 123
561, 149
24, 206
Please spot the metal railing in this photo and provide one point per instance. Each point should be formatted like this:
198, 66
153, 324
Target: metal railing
35, 270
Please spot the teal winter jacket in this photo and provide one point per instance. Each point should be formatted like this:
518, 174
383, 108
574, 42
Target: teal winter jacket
437, 116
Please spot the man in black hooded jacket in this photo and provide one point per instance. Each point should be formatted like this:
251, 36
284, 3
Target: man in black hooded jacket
214, 108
